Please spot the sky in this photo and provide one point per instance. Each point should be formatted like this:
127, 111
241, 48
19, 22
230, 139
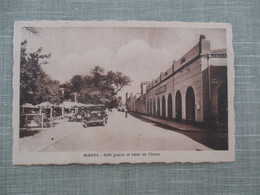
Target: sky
140, 53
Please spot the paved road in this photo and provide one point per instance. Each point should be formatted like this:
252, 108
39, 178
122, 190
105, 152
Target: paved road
120, 134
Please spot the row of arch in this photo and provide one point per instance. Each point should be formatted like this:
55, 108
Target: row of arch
160, 109
161, 106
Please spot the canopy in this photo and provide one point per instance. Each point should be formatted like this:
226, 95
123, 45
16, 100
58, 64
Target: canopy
68, 104
80, 105
45, 104
71, 104
94, 105
27, 105
77, 104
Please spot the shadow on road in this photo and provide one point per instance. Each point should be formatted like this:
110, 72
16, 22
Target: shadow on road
217, 140
28, 132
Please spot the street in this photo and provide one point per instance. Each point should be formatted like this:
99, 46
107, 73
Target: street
119, 134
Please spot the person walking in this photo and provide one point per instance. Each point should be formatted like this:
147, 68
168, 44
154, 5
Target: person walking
126, 113
106, 115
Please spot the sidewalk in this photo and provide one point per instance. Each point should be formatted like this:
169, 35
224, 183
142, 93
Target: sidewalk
216, 139
176, 125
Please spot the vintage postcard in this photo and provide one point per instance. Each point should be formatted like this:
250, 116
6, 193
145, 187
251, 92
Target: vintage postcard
122, 92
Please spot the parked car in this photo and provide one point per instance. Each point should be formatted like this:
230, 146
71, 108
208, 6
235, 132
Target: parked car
121, 109
76, 115
95, 115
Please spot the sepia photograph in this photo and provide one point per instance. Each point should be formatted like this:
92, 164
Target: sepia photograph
122, 92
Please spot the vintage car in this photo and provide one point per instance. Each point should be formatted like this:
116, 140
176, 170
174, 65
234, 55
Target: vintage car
95, 115
76, 115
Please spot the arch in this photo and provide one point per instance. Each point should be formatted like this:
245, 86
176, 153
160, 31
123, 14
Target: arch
147, 106
149, 110
150, 107
222, 105
190, 105
178, 106
158, 107
163, 107
169, 101
154, 107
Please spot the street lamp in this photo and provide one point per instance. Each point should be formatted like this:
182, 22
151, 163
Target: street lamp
75, 97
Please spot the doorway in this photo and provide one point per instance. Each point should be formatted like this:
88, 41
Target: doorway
178, 106
170, 106
190, 105
222, 105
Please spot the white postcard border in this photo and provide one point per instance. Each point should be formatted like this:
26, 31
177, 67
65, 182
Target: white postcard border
43, 158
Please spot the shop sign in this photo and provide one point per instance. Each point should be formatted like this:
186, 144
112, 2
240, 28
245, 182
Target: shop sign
160, 90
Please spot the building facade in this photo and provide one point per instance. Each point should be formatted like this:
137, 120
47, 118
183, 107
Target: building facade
192, 90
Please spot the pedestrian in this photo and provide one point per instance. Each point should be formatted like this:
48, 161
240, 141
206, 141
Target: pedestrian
106, 115
126, 113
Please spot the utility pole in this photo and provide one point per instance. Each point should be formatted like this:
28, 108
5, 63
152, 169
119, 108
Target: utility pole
75, 97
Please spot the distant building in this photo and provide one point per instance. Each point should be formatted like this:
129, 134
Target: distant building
192, 90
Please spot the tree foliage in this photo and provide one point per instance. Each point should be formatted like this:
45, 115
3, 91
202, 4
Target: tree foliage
96, 87
35, 85
99, 86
